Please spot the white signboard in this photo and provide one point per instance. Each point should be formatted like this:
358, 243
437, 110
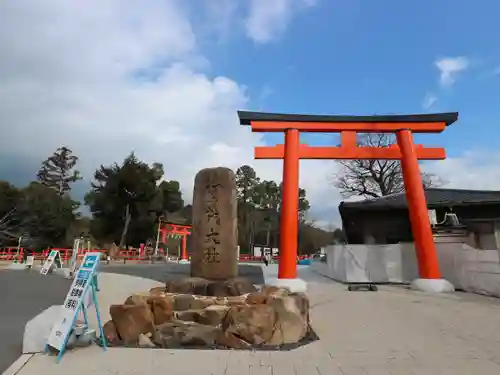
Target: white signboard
54, 257
74, 255
259, 251
30, 260
77, 298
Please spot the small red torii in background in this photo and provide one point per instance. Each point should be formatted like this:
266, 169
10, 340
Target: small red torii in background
165, 229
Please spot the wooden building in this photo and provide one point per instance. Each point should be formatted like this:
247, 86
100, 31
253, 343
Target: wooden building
385, 220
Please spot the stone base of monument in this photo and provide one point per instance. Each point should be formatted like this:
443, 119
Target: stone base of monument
197, 313
294, 285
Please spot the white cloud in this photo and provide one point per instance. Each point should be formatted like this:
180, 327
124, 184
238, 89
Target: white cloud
71, 74
268, 19
449, 69
474, 169
429, 100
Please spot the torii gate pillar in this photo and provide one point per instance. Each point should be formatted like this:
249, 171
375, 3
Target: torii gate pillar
405, 150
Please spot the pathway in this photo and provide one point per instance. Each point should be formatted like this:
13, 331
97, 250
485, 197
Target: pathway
24, 295
394, 331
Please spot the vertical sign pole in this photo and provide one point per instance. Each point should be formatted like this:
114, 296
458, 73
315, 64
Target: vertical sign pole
85, 315
158, 238
98, 315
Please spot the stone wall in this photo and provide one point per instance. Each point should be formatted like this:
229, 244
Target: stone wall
468, 269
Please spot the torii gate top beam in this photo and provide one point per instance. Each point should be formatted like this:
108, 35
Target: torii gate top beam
348, 126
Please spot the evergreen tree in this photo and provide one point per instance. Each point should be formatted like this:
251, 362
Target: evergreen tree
127, 200
57, 172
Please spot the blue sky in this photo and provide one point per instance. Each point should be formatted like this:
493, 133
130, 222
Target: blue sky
164, 78
366, 57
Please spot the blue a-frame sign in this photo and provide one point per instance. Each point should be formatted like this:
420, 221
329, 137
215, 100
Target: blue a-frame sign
85, 282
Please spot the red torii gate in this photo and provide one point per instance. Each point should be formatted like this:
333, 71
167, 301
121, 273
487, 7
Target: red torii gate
292, 151
165, 229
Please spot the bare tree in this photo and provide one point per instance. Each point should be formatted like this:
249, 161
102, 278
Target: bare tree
5, 225
375, 178
9, 227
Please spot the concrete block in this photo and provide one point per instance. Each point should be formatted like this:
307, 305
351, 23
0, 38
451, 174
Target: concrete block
37, 330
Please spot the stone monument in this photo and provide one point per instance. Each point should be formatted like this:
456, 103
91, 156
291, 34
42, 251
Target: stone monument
215, 225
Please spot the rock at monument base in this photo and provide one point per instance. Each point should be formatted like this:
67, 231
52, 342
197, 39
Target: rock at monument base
157, 291
37, 330
131, 321
145, 341
253, 323
291, 323
188, 285
163, 310
271, 317
179, 333
213, 315
110, 333
235, 286
214, 236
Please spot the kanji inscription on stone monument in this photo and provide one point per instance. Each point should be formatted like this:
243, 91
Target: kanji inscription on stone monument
214, 236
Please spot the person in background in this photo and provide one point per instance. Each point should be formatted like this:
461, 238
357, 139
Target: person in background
266, 261
26, 244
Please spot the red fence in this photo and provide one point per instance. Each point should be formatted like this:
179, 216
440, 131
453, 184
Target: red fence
11, 254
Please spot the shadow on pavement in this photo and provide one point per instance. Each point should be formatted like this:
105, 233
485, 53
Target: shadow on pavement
164, 272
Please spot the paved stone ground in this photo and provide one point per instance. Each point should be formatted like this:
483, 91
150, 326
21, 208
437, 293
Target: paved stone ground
24, 295
393, 331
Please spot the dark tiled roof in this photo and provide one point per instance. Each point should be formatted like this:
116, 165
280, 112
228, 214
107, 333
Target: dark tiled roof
245, 118
435, 198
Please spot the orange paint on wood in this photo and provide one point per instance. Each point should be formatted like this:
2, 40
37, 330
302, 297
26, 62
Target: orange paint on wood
335, 127
428, 264
348, 139
289, 220
381, 153
184, 248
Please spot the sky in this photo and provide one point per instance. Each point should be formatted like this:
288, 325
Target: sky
164, 78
